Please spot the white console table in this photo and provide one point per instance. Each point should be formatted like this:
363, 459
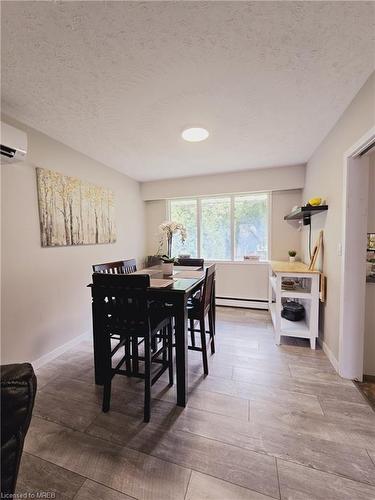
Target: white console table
307, 294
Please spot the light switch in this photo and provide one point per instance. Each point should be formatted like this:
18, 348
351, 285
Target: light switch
339, 250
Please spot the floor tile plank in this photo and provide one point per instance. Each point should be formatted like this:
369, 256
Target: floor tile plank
302, 483
238, 465
68, 412
91, 490
128, 471
206, 487
37, 477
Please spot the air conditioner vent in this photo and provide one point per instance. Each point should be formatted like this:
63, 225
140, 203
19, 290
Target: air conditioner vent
8, 152
13, 147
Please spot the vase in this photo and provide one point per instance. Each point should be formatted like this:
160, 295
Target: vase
167, 268
292, 259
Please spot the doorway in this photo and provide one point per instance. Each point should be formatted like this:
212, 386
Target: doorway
353, 268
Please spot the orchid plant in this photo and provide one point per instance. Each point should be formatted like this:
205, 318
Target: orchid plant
167, 230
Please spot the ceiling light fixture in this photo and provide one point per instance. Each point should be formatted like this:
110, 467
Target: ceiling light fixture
195, 134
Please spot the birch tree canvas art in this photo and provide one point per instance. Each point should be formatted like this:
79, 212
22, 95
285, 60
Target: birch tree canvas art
73, 212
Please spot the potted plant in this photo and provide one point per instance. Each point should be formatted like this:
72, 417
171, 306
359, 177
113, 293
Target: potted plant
292, 255
167, 264
167, 230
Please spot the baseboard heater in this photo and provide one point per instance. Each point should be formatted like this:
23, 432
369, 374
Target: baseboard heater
244, 303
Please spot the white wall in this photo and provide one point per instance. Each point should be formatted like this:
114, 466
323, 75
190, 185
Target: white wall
267, 179
45, 302
324, 177
155, 214
285, 235
369, 350
242, 280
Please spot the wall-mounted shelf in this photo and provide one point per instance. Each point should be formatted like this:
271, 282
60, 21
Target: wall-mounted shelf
305, 213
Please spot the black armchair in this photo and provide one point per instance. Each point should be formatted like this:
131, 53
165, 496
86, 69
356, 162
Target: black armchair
18, 389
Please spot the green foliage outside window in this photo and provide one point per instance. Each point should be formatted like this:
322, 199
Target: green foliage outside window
248, 224
185, 212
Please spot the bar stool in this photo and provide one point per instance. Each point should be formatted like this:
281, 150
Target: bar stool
199, 308
121, 307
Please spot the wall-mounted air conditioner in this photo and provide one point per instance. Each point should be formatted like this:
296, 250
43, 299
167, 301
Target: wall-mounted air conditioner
13, 145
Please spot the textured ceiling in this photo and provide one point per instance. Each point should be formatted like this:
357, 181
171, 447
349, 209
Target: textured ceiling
118, 81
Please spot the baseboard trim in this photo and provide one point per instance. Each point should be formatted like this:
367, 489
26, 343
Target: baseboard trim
50, 356
329, 354
243, 303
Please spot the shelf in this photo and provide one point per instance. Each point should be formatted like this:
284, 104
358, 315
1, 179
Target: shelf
302, 212
305, 213
295, 328
291, 328
298, 293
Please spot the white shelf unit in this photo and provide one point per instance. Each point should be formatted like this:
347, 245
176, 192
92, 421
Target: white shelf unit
308, 296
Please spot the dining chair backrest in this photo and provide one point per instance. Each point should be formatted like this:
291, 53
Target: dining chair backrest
153, 260
208, 287
121, 303
119, 267
190, 262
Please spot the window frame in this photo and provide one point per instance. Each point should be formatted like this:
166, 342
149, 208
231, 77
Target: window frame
232, 197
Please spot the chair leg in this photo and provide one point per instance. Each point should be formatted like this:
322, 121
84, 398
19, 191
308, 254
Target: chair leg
211, 329
153, 344
128, 365
170, 352
192, 333
106, 395
164, 343
204, 345
147, 407
107, 362
135, 360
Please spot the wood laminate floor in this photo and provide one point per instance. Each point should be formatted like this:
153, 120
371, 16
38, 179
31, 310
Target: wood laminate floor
268, 422
367, 388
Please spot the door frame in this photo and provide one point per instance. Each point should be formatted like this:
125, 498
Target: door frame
353, 263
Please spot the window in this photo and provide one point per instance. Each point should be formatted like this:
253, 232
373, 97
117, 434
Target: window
222, 227
250, 225
215, 229
185, 212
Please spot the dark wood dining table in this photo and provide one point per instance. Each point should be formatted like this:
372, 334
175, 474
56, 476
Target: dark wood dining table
176, 293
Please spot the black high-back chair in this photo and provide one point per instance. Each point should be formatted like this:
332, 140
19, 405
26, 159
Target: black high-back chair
190, 262
153, 260
119, 267
199, 308
121, 307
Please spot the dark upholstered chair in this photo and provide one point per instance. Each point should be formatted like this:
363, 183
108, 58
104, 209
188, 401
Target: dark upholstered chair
190, 262
118, 267
153, 260
18, 389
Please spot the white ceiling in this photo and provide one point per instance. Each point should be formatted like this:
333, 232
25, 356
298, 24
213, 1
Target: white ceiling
119, 81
